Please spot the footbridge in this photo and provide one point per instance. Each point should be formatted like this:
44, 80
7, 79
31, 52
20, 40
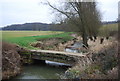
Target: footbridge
56, 56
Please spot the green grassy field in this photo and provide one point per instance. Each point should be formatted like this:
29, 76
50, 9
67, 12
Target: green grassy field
105, 30
7, 34
24, 38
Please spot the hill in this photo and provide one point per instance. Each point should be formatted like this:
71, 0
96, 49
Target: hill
33, 27
28, 26
45, 27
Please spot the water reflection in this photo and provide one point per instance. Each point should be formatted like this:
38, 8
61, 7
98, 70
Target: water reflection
51, 63
40, 72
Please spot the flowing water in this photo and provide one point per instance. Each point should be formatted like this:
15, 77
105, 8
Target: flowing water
76, 45
50, 70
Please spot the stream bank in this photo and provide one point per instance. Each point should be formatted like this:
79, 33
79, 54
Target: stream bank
11, 60
100, 63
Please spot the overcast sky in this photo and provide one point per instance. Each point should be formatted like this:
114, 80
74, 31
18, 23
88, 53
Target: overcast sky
27, 11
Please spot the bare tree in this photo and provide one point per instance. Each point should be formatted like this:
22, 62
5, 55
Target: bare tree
83, 15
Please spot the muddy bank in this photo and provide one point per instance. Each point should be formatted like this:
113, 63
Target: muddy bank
11, 60
48, 44
57, 44
102, 64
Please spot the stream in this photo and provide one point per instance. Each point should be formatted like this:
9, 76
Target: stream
50, 70
76, 45
47, 71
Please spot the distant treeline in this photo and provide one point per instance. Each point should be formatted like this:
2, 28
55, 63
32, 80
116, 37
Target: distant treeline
109, 22
33, 27
42, 26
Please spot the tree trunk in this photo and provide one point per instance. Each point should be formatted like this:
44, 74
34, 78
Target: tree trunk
107, 37
95, 37
101, 40
84, 36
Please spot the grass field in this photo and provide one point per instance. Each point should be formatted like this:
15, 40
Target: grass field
112, 26
7, 34
24, 38
106, 29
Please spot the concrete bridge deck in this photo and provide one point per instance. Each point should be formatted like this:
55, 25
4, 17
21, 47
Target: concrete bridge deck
59, 52
56, 56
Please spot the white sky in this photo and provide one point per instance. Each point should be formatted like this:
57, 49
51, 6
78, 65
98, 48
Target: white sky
27, 11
